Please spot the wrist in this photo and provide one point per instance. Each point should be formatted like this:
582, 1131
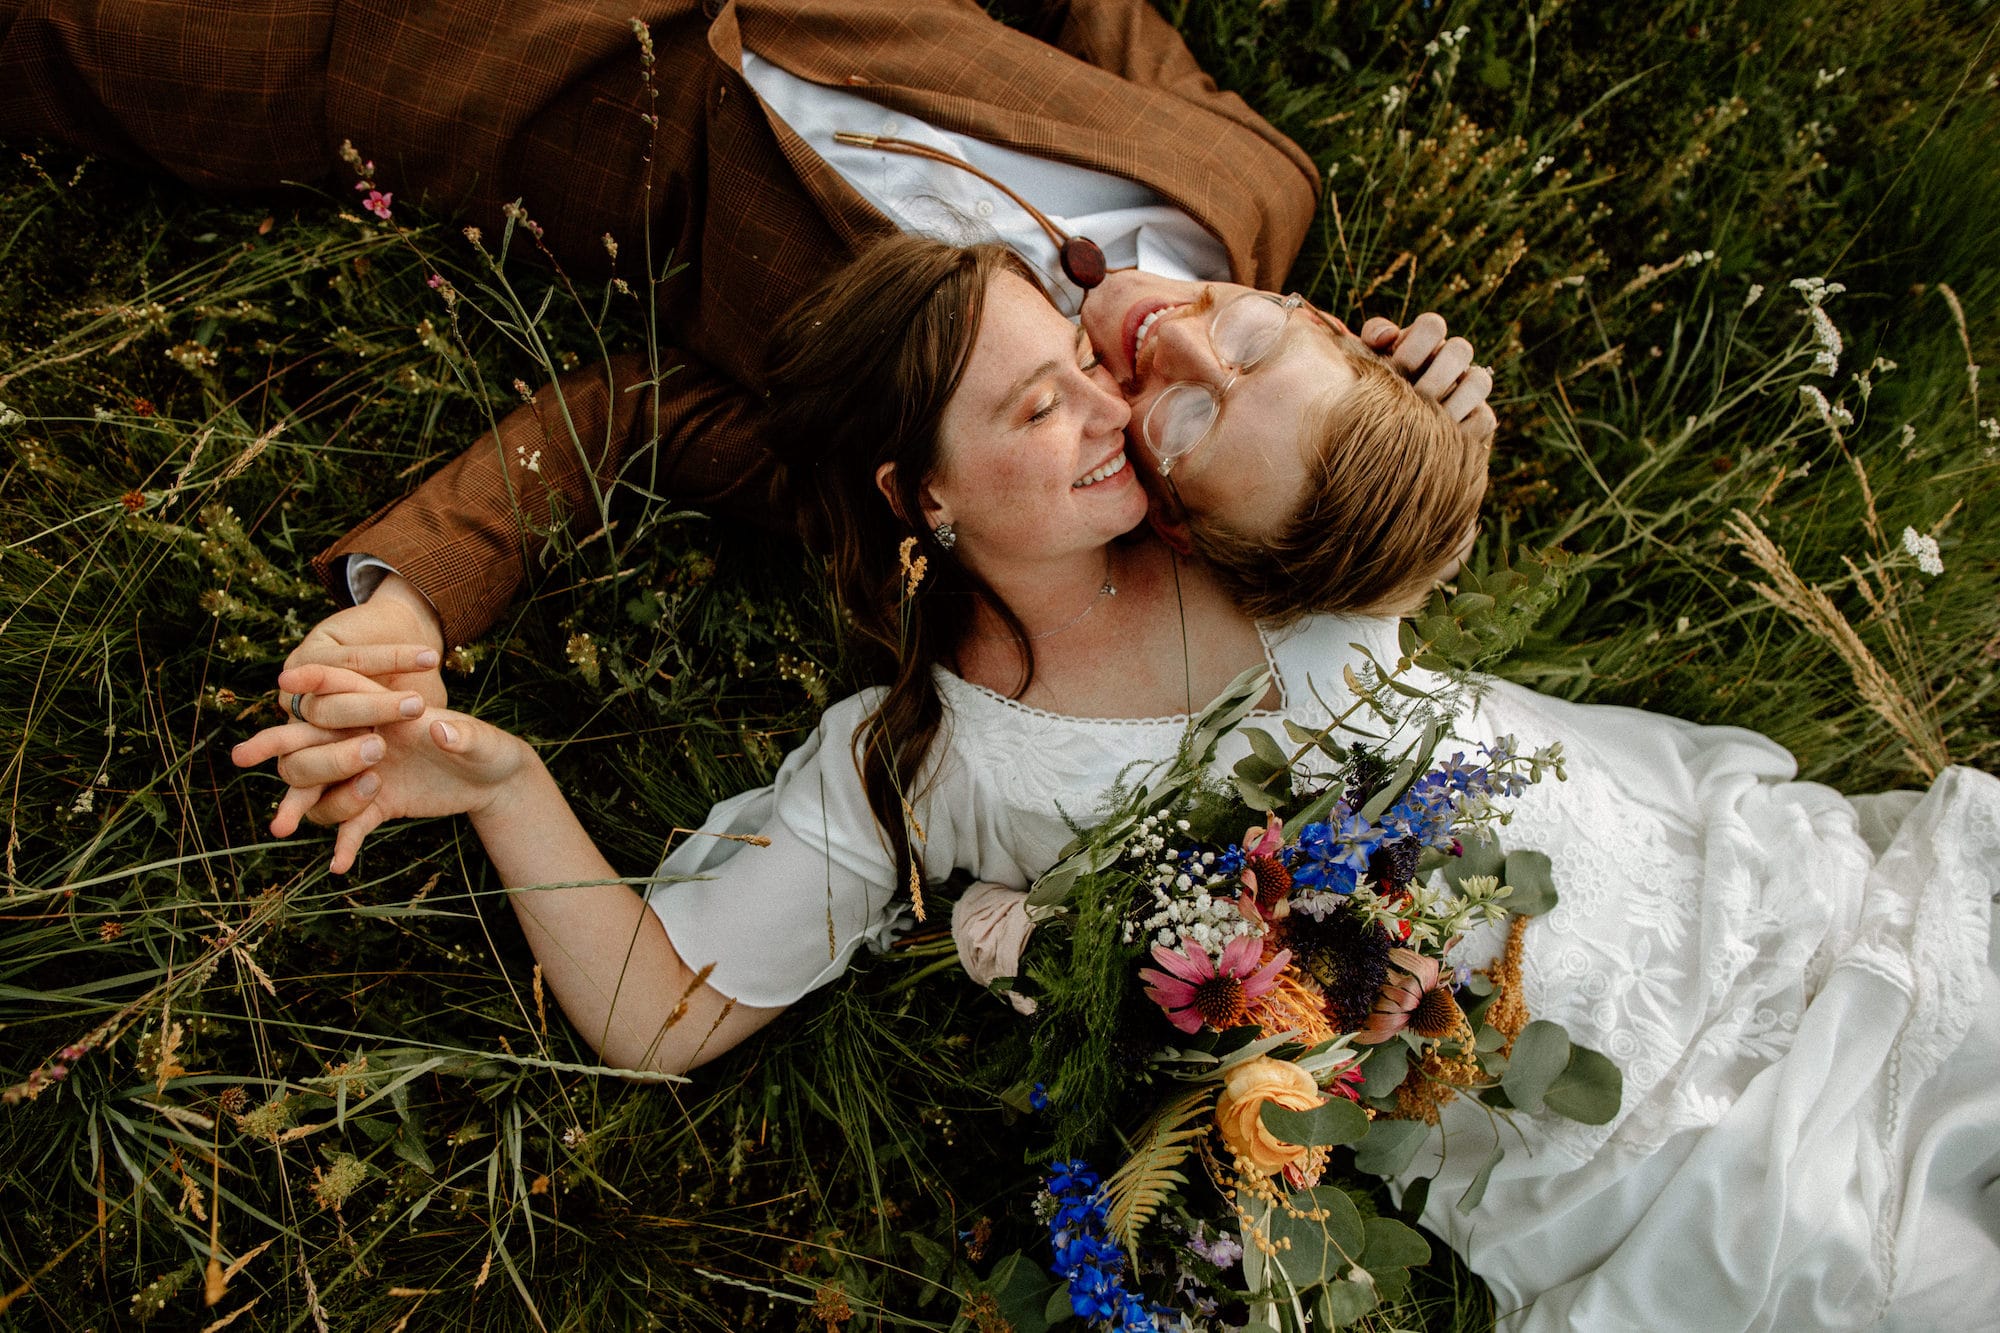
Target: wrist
527, 786
397, 591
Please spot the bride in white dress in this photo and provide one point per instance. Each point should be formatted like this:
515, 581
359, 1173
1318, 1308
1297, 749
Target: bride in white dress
1799, 988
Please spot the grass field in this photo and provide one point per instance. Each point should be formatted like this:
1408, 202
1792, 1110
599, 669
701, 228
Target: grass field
294, 1100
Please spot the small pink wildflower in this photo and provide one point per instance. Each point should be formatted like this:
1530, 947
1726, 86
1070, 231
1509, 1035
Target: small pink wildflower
377, 203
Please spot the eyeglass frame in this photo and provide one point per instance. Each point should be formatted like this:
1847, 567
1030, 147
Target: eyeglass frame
1165, 466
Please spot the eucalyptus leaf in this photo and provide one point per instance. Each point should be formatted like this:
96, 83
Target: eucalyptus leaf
1302, 735
1253, 795
1540, 1055
1588, 1090
1265, 747
1344, 1303
1322, 1247
1415, 1197
1480, 858
1390, 1147
1332, 1124
1477, 1189
1385, 1069
1256, 769
1391, 1244
1533, 880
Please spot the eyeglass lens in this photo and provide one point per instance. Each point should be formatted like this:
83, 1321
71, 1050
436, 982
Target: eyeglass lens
1243, 332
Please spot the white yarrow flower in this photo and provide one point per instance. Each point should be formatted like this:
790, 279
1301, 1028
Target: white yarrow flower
1925, 549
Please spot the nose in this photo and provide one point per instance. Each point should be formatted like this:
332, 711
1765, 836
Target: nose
1109, 410
1179, 350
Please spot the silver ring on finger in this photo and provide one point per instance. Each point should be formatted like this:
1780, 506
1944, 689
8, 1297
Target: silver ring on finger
299, 706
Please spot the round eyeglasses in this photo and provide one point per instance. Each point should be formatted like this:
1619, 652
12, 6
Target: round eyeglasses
1245, 331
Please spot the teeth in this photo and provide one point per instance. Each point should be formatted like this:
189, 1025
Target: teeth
1145, 329
1111, 469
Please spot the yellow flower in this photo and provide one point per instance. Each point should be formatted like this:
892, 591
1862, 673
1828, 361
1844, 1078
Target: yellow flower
1239, 1112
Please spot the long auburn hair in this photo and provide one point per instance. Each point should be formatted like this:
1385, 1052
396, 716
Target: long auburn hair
859, 374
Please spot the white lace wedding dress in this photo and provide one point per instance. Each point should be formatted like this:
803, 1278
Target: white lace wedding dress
1799, 987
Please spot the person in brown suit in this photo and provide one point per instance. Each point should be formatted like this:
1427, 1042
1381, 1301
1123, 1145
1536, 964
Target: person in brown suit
602, 129
473, 104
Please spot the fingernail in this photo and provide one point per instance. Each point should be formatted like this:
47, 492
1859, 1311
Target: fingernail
427, 658
450, 733
372, 749
368, 784
412, 706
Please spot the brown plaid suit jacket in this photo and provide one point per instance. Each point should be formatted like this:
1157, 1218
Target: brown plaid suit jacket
473, 103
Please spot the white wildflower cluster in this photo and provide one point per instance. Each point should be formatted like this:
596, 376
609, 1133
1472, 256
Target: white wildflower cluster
1755, 294
1186, 906
1991, 425
1827, 360
1824, 77
9, 417
1392, 97
1925, 549
1445, 40
1542, 163
1149, 840
1816, 290
1696, 258
1832, 415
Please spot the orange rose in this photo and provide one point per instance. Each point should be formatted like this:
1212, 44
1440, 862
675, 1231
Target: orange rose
1239, 1112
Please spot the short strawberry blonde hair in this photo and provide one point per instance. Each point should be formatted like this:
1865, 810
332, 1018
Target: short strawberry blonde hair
1392, 491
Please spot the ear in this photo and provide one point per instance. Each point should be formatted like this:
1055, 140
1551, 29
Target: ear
933, 512
1172, 528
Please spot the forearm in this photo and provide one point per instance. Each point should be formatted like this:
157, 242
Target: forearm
465, 537
603, 952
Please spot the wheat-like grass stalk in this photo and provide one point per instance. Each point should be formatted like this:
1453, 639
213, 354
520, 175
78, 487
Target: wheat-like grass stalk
1914, 722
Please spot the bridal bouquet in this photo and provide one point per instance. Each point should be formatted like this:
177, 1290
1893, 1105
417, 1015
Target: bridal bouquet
1243, 989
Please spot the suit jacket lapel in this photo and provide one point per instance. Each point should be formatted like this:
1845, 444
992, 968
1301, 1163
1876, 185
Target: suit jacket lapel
961, 71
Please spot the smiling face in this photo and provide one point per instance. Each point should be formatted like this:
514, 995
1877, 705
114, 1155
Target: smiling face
1253, 467
1032, 463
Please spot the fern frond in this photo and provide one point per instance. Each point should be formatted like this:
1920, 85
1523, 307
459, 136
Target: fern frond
1138, 1188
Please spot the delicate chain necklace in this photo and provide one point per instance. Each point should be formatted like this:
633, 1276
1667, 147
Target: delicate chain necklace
1104, 590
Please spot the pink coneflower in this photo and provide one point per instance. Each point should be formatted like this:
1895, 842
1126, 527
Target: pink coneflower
1264, 875
1195, 989
1411, 998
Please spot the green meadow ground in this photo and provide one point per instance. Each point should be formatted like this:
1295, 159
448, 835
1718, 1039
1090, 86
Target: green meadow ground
340, 1103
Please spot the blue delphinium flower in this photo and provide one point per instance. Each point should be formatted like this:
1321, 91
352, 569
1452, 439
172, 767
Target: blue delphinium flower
1038, 1097
1332, 856
1085, 1255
